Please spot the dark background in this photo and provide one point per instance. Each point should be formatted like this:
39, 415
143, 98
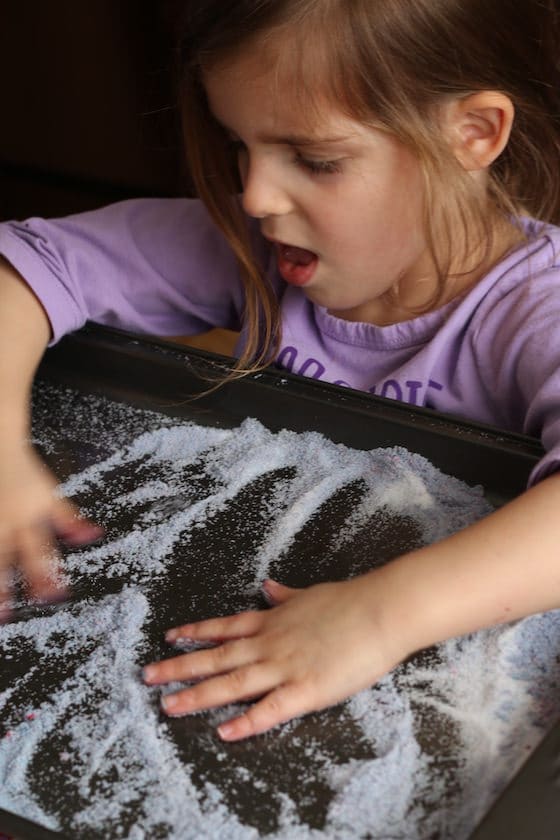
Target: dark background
88, 110
88, 104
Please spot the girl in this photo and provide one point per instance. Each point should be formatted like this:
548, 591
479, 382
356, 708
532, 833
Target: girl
398, 173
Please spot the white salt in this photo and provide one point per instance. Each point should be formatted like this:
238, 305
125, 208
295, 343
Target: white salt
485, 699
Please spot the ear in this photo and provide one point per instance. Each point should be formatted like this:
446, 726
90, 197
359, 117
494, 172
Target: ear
479, 127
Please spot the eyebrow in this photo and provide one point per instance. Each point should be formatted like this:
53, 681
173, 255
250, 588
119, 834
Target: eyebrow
303, 140
293, 139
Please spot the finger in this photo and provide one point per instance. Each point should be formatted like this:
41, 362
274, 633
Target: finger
203, 663
238, 685
81, 533
5, 592
72, 528
39, 562
230, 627
276, 593
280, 705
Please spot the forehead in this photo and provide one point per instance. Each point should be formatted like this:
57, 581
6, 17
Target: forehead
254, 88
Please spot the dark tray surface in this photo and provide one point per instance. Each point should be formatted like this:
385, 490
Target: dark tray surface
156, 376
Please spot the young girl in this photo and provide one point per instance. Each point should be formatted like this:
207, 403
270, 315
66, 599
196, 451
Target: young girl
398, 169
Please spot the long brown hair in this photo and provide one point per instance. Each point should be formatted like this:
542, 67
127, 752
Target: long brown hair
387, 63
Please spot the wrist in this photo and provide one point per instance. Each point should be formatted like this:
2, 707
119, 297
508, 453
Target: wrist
406, 602
385, 597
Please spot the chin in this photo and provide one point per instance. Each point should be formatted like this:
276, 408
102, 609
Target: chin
338, 308
322, 298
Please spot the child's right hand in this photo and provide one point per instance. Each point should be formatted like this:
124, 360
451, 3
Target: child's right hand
32, 518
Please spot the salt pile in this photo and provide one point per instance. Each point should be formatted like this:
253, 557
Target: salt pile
196, 517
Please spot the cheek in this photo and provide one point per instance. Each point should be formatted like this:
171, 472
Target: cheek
381, 211
410, 186
328, 217
397, 214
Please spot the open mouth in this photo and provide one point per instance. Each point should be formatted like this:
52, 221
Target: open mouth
296, 265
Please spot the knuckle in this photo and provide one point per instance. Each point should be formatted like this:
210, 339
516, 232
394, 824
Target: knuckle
237, 680
220, 655
164, 671
250, 723
196, 695
265, 714
241, 621
177, 668
273, 706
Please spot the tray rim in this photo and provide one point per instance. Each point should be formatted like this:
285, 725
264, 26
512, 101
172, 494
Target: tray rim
151, 347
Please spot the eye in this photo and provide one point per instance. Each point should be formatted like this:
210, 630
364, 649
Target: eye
236, 147
319, 167
237, 154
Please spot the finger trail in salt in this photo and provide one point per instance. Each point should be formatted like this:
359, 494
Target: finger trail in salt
423, 753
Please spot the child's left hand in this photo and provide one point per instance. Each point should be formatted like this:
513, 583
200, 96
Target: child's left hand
316, 647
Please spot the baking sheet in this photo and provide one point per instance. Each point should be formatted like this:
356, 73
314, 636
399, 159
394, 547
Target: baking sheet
158, 377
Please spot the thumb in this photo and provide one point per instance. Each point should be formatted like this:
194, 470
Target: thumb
276, 593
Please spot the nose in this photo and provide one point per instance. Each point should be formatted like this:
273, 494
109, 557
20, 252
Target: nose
263, 192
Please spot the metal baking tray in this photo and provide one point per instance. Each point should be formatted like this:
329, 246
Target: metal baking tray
178, 382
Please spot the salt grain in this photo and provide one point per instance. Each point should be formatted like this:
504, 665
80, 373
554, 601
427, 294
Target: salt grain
490, 696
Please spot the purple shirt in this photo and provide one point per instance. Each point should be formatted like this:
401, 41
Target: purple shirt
159, 266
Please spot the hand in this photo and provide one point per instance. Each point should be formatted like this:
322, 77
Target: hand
32, 517
316, 647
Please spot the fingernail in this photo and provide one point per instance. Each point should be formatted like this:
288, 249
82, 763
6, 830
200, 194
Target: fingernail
51, 597
267, 590
267, 596
172, 635
92, 530
226, 731
84, 535
149, 673
169, 702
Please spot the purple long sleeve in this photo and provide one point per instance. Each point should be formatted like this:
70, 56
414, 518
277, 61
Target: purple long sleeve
154, 266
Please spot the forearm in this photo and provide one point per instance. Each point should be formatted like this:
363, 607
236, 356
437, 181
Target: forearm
24, 334
504, 567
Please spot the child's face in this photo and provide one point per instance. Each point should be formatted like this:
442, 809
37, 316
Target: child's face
349, 195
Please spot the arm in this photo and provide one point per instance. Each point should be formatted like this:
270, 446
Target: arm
322, 644
157, 266
153, 266
29, 511
24, 334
